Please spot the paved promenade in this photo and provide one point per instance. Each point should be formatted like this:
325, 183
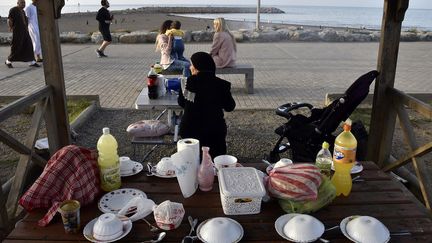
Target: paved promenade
284, 72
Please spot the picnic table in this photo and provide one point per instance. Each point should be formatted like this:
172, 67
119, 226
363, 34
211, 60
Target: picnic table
379, 195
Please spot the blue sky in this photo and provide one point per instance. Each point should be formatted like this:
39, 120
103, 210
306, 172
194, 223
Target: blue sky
358, 3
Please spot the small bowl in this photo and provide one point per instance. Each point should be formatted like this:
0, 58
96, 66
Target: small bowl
367, 229
126, 165
220, 230
165, 167
107, 227
283, 162
303, 228
223, 161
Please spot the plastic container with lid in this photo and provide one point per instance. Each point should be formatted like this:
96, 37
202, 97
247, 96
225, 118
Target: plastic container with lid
241, 190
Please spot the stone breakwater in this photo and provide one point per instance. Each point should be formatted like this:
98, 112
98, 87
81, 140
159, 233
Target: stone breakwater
244, 35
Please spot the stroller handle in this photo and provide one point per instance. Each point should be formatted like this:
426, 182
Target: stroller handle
284, 110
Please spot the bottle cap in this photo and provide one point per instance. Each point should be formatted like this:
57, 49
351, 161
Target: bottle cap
325, 145
105, 130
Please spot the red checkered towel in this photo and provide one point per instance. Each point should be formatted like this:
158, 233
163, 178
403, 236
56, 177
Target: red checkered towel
71, 173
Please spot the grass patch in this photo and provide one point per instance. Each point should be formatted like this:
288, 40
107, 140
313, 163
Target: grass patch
362, 114
75, 107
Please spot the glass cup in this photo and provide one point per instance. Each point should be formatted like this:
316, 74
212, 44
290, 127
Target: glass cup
70, 212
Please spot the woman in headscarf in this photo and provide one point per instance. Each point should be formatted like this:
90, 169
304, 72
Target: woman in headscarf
224, 47
164, 45
204, 98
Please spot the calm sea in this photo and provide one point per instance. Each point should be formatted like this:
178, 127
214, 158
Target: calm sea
356, 17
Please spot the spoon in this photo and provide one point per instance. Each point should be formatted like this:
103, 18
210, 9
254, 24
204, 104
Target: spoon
332, 228
152, 227
158, 239
150, 170
266, 162
193, 223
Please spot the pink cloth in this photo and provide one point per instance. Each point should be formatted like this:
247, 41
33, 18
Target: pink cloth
223, 50
71, 173
164, 45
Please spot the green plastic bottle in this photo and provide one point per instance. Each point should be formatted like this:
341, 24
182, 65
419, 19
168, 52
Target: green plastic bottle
324, 160
344, 157
108, 161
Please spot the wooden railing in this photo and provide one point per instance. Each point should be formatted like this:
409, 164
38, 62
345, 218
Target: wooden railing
11, 191
401, 101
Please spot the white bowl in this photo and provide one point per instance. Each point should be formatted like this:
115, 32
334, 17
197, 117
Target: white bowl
303, 228
126, 165
283, 162
223, 161
221, 230
367, 229
107, 227
165, 167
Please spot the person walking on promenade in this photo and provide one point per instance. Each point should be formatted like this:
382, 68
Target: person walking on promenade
21, 46
204, 98
33, 28
164, 45
224, 47
105, 18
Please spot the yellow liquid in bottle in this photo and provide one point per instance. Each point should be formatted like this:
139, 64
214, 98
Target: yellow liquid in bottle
108, 162
343, 160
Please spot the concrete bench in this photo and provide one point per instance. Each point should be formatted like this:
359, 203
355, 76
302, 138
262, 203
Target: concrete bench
245, 69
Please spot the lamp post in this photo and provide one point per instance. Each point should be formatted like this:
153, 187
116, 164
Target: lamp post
258, 15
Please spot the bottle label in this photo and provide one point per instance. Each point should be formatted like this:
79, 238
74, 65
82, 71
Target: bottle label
110, 176
343, 154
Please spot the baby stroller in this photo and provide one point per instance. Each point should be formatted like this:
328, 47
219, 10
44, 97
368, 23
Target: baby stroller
305, 134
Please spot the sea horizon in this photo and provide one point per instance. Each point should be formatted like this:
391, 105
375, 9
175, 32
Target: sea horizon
326, 16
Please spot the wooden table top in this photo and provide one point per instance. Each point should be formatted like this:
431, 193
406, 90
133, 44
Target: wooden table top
379, 196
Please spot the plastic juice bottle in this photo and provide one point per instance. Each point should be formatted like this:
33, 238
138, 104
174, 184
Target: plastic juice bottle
108, 161
344, 156
324, 160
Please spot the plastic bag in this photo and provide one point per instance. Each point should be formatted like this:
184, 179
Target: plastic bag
326, 194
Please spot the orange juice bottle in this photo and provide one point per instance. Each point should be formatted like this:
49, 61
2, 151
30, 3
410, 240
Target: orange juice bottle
344, 157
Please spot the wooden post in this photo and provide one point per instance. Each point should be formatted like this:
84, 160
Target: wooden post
258, 15
383, 114
56, 115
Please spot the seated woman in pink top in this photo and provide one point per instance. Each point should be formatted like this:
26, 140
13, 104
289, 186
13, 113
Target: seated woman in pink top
224, 47
164, 45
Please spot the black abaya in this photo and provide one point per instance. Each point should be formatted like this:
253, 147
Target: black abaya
22, 46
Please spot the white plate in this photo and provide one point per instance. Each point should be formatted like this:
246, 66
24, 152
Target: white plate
154, 172
88, 231
343, 225
357, 168
282, 221
232, 220
113, 201
138, 167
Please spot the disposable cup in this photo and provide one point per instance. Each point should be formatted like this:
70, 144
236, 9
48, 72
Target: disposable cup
223, 161
70, 212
